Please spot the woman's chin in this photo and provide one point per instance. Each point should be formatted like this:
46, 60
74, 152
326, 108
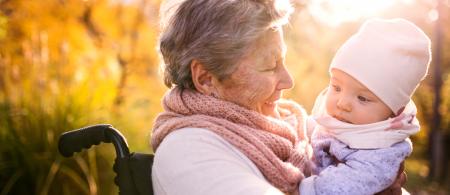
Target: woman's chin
269, 109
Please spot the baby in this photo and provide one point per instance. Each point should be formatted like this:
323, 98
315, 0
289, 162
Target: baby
362, 121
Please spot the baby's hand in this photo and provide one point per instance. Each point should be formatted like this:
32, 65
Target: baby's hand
336, 161
399, 121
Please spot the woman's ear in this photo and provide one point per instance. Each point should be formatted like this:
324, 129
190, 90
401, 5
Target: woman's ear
201, 78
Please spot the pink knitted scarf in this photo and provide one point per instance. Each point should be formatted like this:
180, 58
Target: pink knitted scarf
276, 146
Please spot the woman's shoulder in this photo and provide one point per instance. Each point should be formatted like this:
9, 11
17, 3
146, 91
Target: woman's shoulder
197, 143
195, 159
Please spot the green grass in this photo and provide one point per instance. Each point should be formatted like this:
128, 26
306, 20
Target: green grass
29, 159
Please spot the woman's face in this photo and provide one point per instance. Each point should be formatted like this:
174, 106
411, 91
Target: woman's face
260, 76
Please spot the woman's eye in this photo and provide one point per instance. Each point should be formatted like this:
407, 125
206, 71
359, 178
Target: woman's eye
274, 66
363, 99
271, 69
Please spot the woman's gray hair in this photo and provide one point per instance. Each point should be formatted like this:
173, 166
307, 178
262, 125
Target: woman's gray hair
217, 33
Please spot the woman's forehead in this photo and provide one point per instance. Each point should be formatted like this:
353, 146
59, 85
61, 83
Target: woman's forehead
271, 43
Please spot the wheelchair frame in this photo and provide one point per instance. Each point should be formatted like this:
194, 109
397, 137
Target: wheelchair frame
133, 169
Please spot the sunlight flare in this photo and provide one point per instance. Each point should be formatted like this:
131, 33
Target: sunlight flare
335, 12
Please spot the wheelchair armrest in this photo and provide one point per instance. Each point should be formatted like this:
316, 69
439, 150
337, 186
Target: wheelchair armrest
74, 141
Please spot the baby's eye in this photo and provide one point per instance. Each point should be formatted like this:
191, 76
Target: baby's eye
363, 99
336, 88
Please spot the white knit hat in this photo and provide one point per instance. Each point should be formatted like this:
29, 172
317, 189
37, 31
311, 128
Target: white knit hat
389, 57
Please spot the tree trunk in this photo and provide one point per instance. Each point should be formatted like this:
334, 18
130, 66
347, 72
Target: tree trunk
435, 137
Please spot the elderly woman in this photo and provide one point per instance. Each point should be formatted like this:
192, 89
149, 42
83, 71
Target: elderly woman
225, 128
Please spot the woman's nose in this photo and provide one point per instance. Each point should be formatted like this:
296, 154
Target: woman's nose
344, 104
285, 79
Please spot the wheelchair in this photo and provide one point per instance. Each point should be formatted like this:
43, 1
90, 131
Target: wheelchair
133, 169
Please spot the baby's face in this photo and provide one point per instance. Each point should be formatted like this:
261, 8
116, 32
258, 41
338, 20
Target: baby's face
351, 102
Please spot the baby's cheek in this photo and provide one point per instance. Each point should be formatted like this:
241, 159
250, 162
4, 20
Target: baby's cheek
366, 117
329, 105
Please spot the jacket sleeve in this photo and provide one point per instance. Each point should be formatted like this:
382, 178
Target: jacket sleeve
361, 171
197, 161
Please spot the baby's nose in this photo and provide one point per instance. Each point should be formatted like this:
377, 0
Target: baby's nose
344, 104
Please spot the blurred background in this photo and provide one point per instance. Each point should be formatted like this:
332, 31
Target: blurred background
65, 64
